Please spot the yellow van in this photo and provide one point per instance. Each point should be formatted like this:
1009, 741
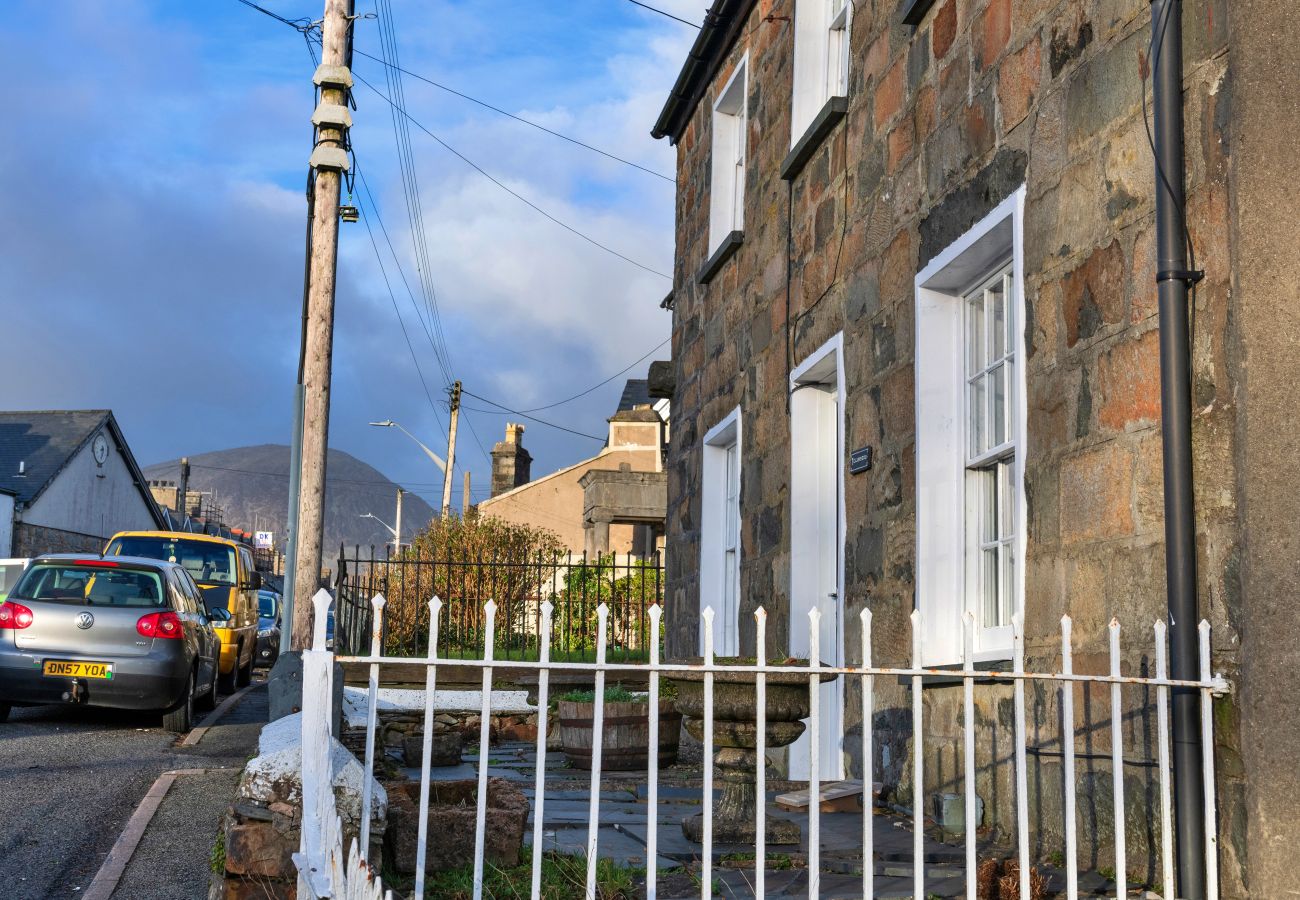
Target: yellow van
224, 572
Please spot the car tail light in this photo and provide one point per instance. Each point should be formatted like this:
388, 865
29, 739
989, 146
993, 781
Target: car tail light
97, 563
160, 625
14, 616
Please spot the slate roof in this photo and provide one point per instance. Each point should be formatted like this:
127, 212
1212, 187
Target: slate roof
46, 441
635, 393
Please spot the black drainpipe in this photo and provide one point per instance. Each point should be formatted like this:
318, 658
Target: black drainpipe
1173, 281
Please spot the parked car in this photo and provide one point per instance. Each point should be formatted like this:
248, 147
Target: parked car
127, 632
10, 571
224, 572
268, 627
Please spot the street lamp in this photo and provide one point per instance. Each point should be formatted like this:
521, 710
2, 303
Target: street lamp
437, 460
397, 547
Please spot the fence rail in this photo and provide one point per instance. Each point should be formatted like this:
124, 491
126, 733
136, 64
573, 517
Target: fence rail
766, 676
575, 585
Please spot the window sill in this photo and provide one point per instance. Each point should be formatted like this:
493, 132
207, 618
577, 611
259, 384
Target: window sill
983, 665
835, 109
730, 244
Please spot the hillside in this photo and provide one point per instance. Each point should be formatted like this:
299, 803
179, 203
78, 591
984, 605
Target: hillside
252, 484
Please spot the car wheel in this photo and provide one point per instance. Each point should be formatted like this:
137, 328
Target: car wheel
4, 712
180, 719
246, 673
208, 701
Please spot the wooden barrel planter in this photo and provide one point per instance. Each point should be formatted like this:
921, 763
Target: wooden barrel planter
625, 738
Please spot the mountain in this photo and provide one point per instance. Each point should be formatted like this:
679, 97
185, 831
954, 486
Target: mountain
252, 485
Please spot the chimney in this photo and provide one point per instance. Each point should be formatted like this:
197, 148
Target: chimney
511, 463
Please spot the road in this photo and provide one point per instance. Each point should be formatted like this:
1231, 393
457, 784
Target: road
71, 777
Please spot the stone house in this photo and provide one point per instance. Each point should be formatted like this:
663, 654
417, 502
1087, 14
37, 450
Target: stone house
73, 482
921, 234
612, 502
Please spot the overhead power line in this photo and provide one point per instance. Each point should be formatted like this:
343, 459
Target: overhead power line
520, 197
330, 478
304, 24
655, 9
307, 27
411, 187
391, 296
514, 412
599, 384
510, 115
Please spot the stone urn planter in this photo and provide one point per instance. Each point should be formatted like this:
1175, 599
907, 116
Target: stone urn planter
452, 813
735, 737
625, 738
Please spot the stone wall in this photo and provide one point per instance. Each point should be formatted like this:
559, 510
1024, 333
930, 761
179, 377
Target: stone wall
945, 121
33, 540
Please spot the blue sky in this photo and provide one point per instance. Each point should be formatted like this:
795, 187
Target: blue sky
153, 233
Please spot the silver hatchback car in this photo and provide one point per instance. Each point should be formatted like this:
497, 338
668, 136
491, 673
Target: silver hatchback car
123, 632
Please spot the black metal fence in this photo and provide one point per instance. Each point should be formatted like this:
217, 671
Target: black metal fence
575, 584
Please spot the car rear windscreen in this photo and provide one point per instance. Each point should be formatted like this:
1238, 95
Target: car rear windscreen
90, 586
208, 562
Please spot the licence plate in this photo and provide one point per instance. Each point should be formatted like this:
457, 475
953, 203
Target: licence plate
67, 669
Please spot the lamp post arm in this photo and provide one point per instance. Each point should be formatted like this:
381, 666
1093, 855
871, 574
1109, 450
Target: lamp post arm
391, 529
433, 456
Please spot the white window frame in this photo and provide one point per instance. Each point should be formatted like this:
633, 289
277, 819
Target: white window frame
720, 544
944, 589
821, 59
730, 152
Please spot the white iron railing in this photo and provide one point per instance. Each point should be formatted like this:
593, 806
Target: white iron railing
326, 872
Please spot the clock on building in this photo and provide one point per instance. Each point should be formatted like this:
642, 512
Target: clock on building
99, 448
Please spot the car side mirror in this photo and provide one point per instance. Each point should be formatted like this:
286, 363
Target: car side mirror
255, 580
219, 614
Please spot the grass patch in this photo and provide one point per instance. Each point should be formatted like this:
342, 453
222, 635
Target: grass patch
217, 855
613, 694
564, 877
775, 861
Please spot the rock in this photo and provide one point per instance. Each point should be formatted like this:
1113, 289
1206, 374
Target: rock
275, 776
446, 750
259, 849
452, 814
255, 889
519, 731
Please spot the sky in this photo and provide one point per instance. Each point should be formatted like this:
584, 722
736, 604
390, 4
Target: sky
152, 239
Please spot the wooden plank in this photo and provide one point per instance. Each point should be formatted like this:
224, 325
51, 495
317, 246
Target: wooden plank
834, 796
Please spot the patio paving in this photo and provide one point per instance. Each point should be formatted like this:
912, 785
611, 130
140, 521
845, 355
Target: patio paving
623, 818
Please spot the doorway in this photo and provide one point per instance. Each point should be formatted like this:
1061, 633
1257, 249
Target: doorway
817, 540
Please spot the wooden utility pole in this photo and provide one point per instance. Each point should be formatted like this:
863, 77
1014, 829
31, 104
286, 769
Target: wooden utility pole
464, 500
329, 159
397, 526
451, 450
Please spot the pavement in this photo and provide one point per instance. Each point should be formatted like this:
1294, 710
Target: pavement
73, 777
624, 822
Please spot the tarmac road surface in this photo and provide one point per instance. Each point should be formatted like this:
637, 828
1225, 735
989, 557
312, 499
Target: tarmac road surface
71, 777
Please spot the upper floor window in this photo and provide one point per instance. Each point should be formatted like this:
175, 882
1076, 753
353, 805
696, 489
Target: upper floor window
821, 59
991, 430
971, 438
730, 127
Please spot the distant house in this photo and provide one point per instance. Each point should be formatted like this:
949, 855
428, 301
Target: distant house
68, 481
613, 502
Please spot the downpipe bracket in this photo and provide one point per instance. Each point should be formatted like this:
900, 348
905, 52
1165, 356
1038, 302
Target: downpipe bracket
1191, 276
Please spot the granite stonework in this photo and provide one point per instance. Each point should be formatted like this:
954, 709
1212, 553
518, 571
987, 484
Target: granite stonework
944, 121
